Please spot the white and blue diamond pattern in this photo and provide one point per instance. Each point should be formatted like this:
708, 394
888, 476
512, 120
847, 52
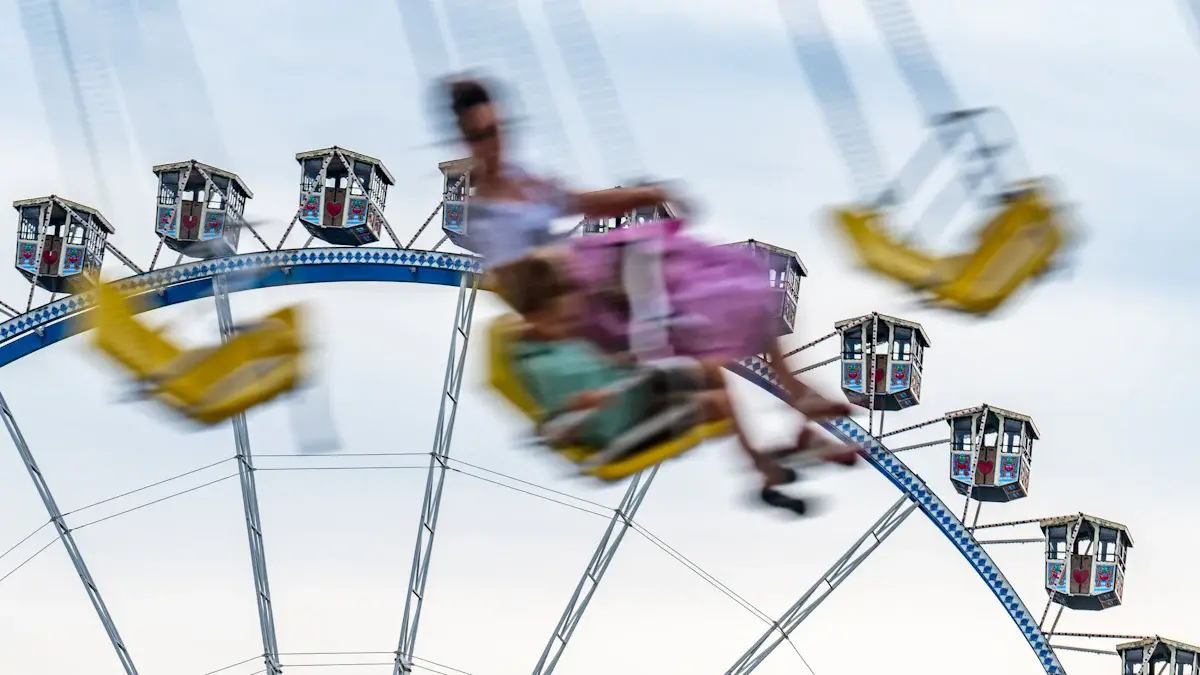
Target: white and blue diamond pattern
757, 371
246, 262
753, 369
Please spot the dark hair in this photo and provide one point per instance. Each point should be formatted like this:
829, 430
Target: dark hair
466, 94
532, 284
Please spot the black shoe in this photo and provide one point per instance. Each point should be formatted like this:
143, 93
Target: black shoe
777, 499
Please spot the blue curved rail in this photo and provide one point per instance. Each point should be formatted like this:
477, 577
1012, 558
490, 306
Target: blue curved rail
907, 480
56, 321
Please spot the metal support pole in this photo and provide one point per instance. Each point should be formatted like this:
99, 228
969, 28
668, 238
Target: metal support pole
435, 481
586, 588
245, 459
64, 535
839, 572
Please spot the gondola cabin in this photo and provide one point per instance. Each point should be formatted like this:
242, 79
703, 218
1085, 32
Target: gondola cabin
998, 443
199, 209
59, 243
882, 358
342, 195
1158, 656
645, 214
456, 190
784, 272
1085, 561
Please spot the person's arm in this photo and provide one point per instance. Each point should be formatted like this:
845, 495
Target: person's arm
615, 201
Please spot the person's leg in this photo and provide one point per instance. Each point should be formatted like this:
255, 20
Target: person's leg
804, 399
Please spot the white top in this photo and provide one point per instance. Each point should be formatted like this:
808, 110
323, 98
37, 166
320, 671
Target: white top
504, 230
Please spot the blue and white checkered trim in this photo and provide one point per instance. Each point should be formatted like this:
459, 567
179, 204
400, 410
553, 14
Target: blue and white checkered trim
757, 371
246, 262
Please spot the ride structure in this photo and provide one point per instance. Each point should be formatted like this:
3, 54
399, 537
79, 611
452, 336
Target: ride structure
60, 243
58, 319
1152, 655
200, 207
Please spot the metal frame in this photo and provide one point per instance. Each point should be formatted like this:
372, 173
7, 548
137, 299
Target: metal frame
55, 321
888, 523
65, 536
464, 312
586, 588
245, 460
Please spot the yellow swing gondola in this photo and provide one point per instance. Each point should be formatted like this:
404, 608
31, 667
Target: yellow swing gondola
504, 378
1015, 244
206, 385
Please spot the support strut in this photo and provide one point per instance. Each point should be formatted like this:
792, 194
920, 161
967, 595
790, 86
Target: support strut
245, 460
605, 550
436, 480
65, 536
798, 612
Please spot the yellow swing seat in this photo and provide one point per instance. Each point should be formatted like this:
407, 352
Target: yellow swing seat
1017, 244
503, 377
207, 385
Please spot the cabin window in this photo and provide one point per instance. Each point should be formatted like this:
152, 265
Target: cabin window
1012, 435
1108, 545
1133, 661
359, 187
793, 283
852, 346
30, 215
1186, 662
902, 345
168, 188
1056, 542
310, 178
773, 276
75, 234
960, 439
216, 193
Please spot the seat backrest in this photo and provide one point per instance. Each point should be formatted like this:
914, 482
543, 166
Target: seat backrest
128, 341
502, 372
277, 336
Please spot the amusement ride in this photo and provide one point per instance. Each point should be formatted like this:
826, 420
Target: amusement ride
1022, 231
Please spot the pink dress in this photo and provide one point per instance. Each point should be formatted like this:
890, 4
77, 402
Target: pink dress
720, 297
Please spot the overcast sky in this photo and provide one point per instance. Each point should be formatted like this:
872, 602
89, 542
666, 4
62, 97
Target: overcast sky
1103, 95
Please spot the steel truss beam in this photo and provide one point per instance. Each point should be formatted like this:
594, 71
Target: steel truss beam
468, 288
65, 536
245, 459
839, 572
605, 551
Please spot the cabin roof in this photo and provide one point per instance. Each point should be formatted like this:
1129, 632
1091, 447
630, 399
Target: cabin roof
1047, 523
922, 336
74, 206
350, 154
1150, 641
180, 166
778, 250
1033, 430
461, 164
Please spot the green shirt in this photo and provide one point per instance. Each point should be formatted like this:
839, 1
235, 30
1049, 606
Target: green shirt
554, 371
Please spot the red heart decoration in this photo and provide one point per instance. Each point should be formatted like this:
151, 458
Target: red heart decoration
1080, 576
985, 468
190, 221
334, 209
49, 256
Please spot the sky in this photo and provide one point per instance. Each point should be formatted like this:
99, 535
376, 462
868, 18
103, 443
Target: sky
1102, 97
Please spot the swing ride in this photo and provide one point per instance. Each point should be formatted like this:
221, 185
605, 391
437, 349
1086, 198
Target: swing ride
1021, 233
208, 384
